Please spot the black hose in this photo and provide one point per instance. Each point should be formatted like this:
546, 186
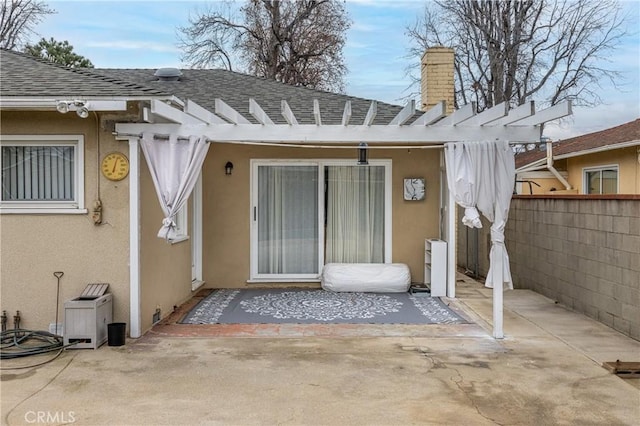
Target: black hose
18, 343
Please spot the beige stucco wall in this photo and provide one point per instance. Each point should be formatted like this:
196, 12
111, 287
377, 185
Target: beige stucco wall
626, 159
33, 246
227, 207
165, 269
546, 184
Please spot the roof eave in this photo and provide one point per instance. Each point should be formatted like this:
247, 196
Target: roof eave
596, 150
541, 163
98, 103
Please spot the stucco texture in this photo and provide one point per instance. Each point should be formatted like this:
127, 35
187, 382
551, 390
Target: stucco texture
165, 268
227, 206
33, 246
627, 160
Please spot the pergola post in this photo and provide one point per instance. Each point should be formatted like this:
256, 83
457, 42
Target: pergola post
498, 294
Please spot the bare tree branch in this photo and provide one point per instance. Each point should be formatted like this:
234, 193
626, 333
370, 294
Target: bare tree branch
511, 50
295, 42
18, 19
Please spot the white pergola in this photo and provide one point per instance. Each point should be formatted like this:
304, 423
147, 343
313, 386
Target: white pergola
225, 124
432, 129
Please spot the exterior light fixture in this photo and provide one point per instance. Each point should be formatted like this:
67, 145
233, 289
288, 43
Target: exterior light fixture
62, 107
228, 168
81, 107
362, 154
83, 111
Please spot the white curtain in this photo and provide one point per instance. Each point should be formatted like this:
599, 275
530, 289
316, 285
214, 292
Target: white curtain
463, 182
288, 219
175, 165
355, 214
481, 176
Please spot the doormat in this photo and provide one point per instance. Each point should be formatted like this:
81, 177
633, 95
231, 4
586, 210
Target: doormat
317, 306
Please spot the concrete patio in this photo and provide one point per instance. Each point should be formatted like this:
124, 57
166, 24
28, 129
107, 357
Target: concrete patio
546, 371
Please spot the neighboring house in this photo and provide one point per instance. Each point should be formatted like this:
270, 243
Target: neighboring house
69, 205
604, 162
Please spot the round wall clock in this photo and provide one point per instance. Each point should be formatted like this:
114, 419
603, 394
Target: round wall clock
115, 166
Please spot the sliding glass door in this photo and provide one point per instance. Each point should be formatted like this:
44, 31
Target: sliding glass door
287, 217
354, 214
306, 214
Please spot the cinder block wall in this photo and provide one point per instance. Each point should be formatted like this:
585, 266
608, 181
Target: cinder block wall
583, 253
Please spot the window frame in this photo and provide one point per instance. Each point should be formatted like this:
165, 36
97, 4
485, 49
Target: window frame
75, 206
320, 163
585, 179
182, 225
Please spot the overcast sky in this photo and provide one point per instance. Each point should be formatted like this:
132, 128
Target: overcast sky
142, 34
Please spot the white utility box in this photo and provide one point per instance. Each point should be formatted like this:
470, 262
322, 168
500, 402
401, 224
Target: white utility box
86, 318
435, 266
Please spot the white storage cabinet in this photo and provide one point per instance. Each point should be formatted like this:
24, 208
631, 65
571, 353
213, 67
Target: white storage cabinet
435, 266
86, 319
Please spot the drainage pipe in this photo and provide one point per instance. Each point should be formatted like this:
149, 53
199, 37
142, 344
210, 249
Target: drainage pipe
552, 169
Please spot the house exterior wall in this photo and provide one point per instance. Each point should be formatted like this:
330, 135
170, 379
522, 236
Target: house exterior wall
545, 180
33, 246
626, 159
165, 268
227, 206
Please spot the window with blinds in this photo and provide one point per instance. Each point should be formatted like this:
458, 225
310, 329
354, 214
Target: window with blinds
42, 172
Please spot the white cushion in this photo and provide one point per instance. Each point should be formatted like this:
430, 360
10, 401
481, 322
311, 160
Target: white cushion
366, 277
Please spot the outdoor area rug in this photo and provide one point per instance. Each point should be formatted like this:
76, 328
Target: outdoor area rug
313, 306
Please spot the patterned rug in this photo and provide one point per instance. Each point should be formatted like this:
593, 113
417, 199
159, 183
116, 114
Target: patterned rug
313, 306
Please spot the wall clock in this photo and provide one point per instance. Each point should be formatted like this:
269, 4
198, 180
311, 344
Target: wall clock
414, 189
115, 166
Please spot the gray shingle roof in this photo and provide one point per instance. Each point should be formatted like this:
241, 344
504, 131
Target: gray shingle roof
204, 86
23, 76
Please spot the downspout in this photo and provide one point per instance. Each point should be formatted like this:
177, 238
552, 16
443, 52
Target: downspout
552, 169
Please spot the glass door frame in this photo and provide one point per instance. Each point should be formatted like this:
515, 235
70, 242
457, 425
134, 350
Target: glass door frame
320, 164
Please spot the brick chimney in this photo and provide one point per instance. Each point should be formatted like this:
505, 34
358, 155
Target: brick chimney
437, 78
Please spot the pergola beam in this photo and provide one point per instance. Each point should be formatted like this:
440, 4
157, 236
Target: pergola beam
338, 134
488, 116
434, 114
171, 114
552, 113
287, 113
258, 113
316, 112
346, 115
522, 111
195, 110
371, 114
405, 114
228, 113
459, 115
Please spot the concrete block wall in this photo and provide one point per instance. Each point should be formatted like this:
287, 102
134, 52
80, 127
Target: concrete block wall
437, 82
583, 253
